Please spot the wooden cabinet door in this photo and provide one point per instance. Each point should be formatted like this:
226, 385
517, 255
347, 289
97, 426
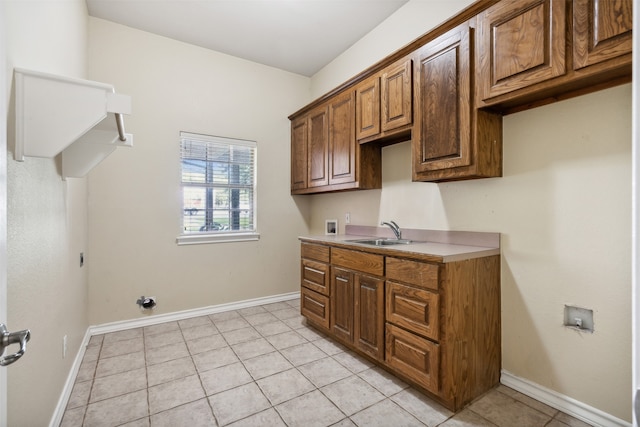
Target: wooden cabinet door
342, 140
342, 304
601, 30
414, 309
318, 151
368, 108
396, 95
521, 43
443, 130
299, 159
413, 356
369, 315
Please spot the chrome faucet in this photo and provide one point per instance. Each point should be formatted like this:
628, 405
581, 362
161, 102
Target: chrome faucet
394, 227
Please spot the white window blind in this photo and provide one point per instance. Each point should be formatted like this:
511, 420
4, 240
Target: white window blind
218, 188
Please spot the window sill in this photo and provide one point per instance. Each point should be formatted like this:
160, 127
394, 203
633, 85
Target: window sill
201, 239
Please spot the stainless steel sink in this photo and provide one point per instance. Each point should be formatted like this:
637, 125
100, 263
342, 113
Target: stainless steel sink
381, 242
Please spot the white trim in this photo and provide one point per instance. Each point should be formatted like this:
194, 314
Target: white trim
561, 402
635, 223
58, 413
56, 419
4, 102
199, 239
187, 314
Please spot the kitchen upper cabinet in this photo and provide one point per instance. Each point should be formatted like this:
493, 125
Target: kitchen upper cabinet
325, 155
534, 52
521, 43
299, 157
452, 140
368, 108
396, 94
447, 91
318, 147
309, 150
343, 150
602, 30
384, 104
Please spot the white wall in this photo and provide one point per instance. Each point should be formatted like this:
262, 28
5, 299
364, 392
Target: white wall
134, 195
563, 208
47, 225
407, 24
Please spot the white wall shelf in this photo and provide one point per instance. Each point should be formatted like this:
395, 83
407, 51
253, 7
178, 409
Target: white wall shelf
81, 119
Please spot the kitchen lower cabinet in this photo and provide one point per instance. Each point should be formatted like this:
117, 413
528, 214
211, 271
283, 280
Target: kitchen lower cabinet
413, 309
315, 288
435, 325
357, 303
315, 307
413, 356
368, 328
342, 304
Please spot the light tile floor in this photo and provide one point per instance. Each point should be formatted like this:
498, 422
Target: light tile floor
262, 366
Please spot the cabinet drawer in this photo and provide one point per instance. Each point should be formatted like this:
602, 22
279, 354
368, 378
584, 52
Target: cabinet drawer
413, 356
413, 309
415, 273
315, 276
315, 307
317, 252
359, 261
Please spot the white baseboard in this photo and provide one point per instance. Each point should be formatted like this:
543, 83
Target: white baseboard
56, 419
561, 402
186, 314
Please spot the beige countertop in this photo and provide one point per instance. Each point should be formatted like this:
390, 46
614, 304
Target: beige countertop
426, 245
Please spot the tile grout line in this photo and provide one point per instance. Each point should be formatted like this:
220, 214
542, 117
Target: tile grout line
255, 381
93, 381
213, 414
146, 372
314, 340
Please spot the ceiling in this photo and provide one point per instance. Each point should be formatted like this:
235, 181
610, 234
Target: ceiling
300, 36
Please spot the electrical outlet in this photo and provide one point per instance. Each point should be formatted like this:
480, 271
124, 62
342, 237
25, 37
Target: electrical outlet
64, 346
347, 218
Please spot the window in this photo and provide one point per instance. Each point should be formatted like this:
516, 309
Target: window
218, 189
